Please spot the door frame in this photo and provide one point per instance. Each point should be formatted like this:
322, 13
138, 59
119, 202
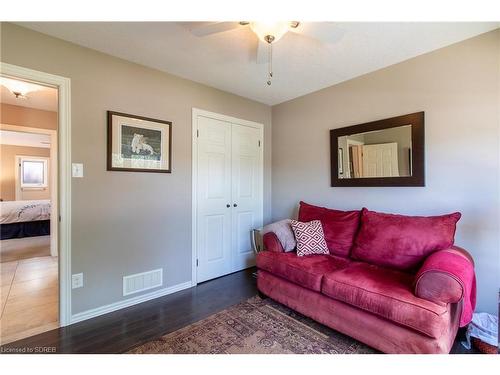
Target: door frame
63, 85
194, 168
351, 142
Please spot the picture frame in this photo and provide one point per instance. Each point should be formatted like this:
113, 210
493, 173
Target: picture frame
138, 143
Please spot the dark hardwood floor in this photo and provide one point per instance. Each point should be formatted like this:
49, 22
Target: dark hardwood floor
120, 331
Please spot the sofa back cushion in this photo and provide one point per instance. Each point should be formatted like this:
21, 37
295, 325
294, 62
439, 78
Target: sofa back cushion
339, 227
402, 242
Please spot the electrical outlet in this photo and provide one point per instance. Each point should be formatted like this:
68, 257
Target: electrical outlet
77, 170
77, 280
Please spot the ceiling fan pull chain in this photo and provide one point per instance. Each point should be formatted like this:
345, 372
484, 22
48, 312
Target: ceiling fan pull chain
270, 64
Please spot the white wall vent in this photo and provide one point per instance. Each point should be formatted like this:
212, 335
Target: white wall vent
140, 282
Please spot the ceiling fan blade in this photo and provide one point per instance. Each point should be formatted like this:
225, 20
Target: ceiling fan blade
214, 27
261, 52
327, 32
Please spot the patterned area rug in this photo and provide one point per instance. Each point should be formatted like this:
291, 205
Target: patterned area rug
255, 326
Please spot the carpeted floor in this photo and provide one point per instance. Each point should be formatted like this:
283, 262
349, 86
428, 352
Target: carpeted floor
255, 326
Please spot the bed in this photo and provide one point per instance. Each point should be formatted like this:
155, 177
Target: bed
19, 219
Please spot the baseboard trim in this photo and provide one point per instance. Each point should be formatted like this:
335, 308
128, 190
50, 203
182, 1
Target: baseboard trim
98, 311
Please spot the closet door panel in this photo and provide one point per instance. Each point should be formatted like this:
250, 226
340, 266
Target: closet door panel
246, 193
213, 196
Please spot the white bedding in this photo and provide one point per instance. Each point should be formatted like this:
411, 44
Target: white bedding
22, 211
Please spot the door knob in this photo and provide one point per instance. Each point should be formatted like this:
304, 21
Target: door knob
228, 205
235, 205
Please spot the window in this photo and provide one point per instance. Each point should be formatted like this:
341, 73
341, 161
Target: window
33, 172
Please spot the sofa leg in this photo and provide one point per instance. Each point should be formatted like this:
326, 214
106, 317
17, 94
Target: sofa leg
261, 295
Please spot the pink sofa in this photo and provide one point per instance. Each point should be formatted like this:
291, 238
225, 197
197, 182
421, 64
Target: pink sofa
395, 283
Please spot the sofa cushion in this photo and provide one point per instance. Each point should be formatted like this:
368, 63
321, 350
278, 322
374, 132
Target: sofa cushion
339, 227
402, 242
310, 238
386, 293
306, 271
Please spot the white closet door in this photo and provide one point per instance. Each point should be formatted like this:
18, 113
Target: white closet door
213, 197
246, 193
380, 160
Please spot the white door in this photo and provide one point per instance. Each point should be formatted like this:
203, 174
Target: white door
380, 160
213, 198
246, 193
229, 176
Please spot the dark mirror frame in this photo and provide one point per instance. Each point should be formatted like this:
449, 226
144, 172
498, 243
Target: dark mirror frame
417, 178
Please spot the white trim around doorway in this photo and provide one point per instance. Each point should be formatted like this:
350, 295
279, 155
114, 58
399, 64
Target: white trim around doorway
64, 155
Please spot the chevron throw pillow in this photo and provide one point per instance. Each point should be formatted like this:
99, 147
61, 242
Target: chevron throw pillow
310, 237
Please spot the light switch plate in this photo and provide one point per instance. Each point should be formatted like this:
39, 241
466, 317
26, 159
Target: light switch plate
77, 170
77, 280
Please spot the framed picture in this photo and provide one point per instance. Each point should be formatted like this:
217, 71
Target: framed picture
341, 160
138, 144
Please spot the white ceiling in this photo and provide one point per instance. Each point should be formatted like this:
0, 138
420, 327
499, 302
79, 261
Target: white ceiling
44, 98
301, 64
14, 138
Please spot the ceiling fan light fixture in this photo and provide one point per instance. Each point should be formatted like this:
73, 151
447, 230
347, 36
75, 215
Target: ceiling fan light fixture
19, 95
20, 89
270, 32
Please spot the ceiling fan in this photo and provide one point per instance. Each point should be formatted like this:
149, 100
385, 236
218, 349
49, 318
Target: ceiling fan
20, 89
268, 33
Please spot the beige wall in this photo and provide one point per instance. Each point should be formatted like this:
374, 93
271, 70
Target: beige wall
8, 155
23, 117
126, 222
30, 117
458, 88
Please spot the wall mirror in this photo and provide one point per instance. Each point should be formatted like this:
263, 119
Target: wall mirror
387, 152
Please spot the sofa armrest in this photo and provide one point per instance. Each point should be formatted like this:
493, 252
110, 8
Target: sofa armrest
437, 282
271, 243
461, 251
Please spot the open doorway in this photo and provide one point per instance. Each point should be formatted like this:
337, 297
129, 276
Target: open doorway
29, 261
